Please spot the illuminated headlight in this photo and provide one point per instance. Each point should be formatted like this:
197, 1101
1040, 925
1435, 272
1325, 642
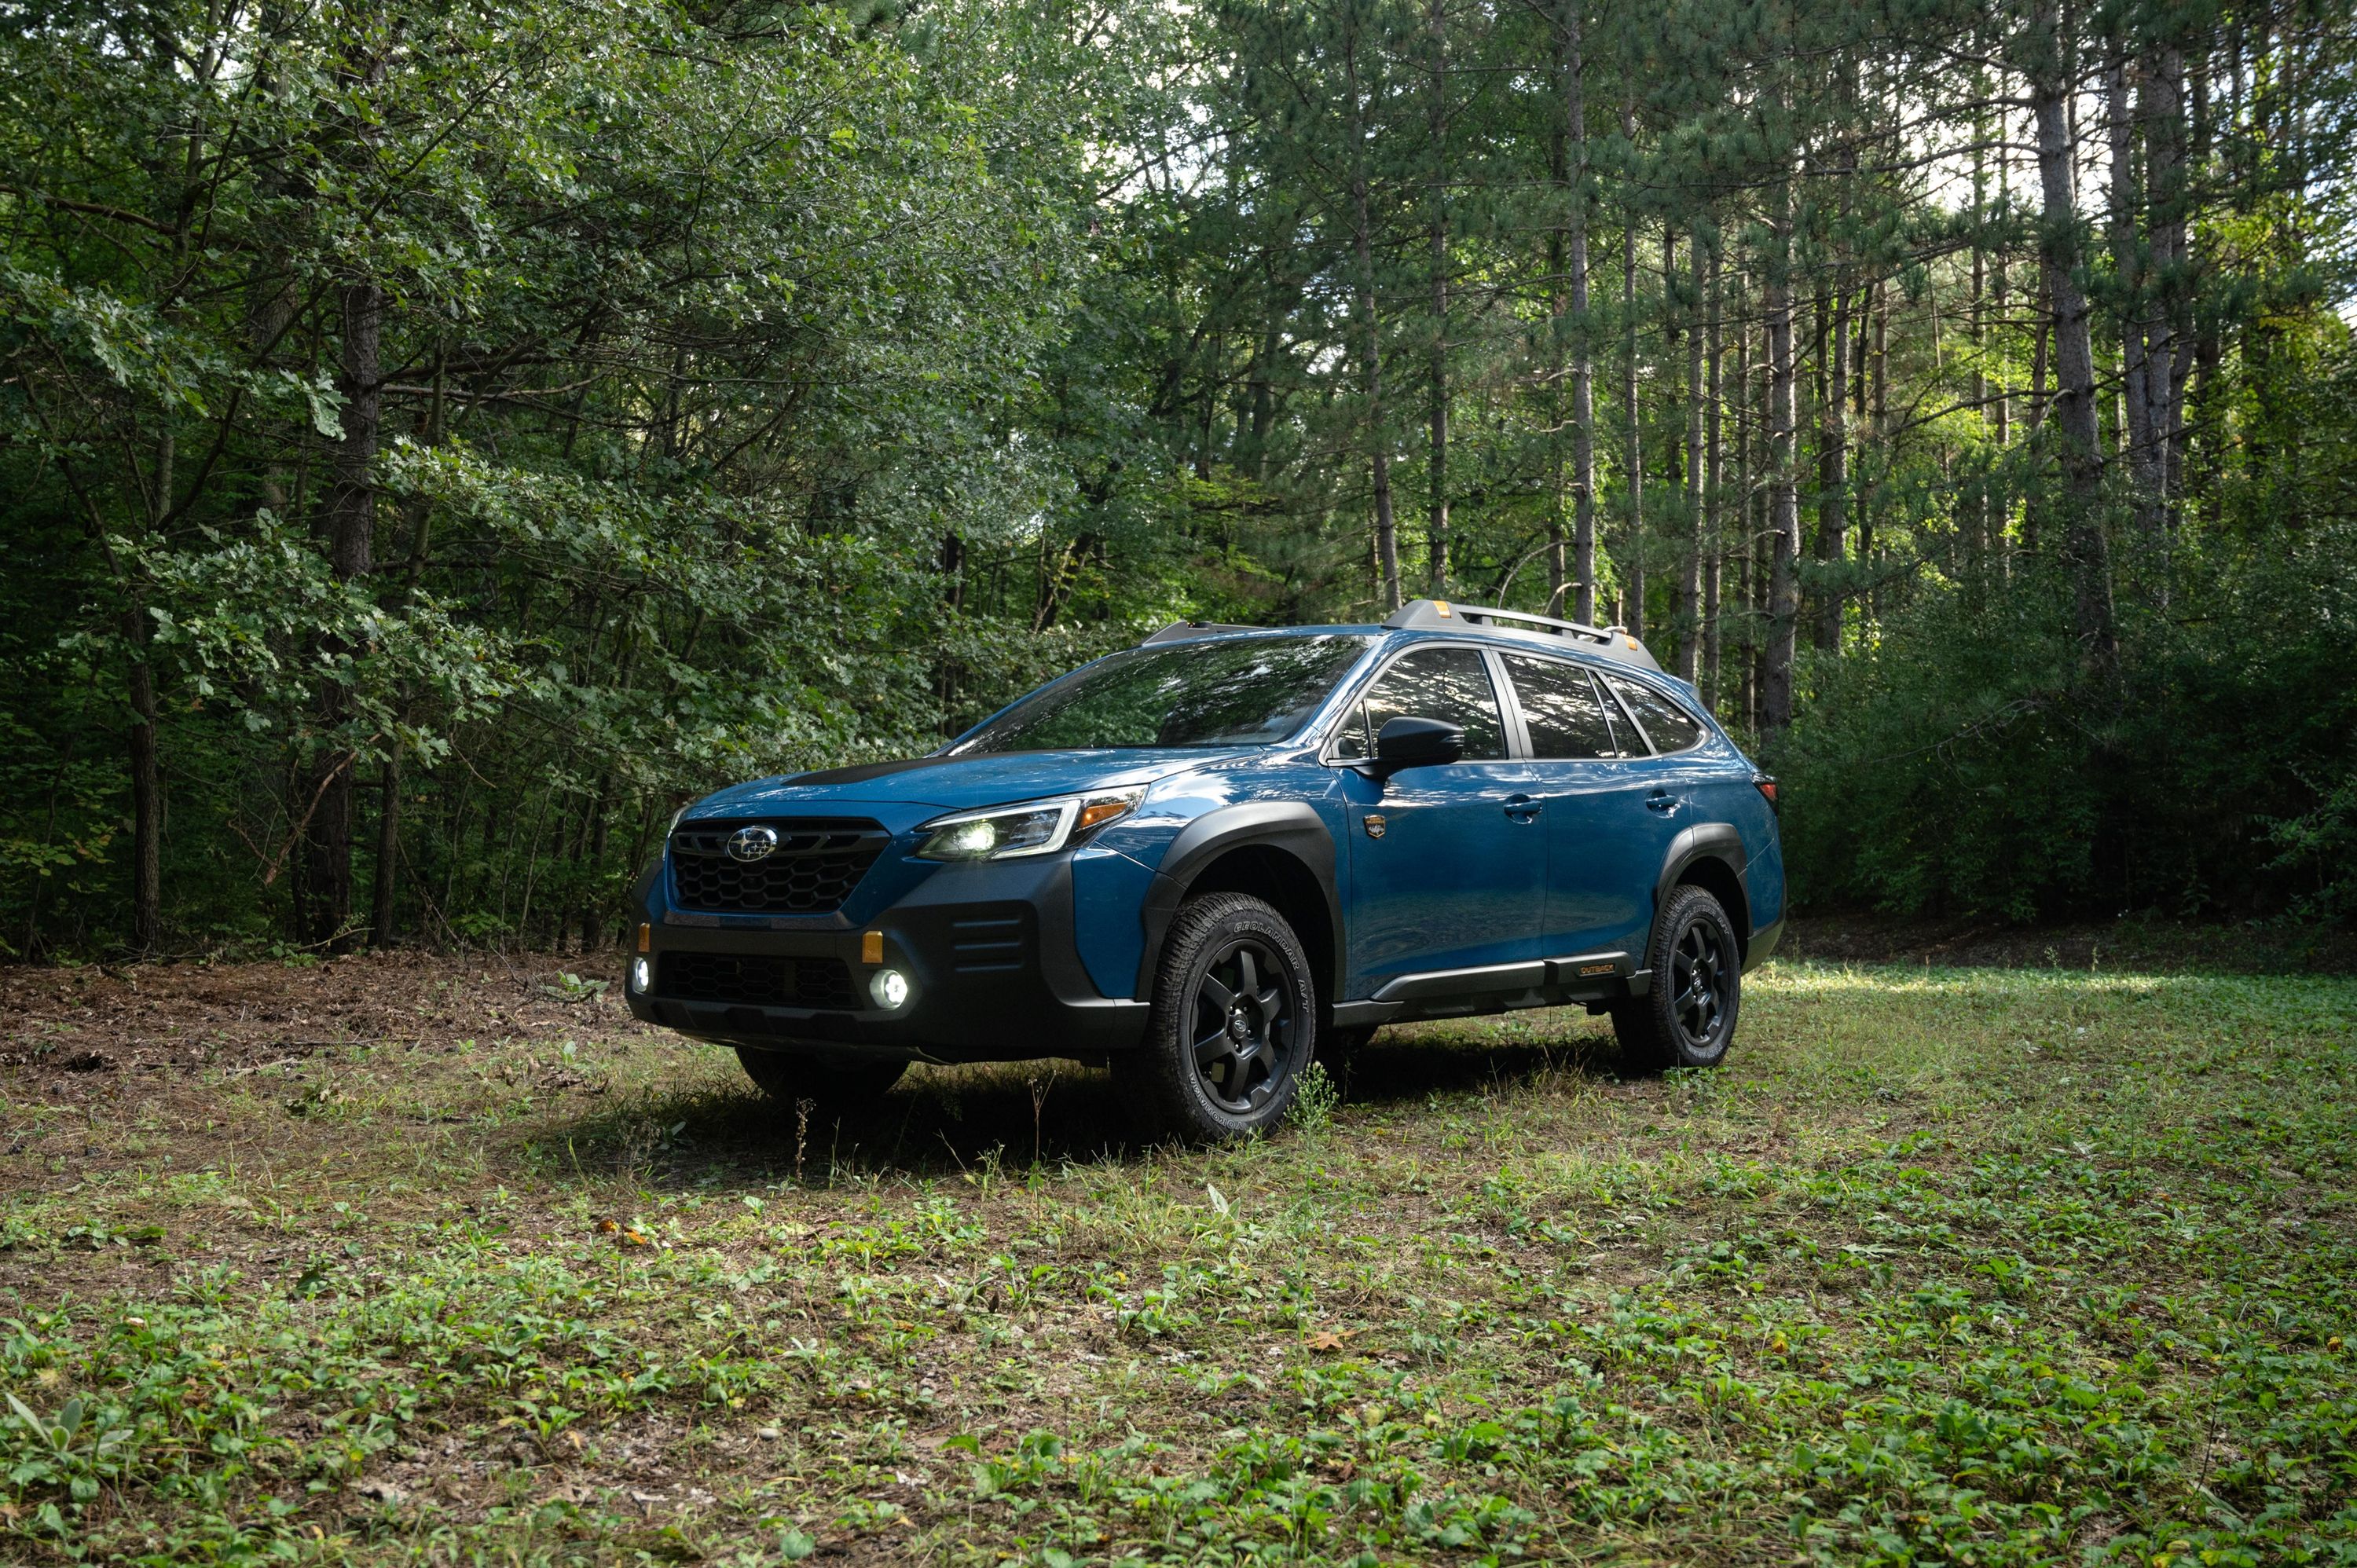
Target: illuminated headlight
642, 975
890, 987
1035, 827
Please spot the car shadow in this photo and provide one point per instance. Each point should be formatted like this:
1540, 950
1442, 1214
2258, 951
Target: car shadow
944, 1122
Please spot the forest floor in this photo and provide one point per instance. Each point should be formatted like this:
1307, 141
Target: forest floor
395, 1259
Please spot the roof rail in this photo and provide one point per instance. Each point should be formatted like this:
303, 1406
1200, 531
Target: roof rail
1439, 615
1187, 630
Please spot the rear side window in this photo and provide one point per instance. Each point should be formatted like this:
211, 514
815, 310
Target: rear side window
1450, 684
1669, 727
1561, 710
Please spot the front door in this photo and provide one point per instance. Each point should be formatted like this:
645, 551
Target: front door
1448, 865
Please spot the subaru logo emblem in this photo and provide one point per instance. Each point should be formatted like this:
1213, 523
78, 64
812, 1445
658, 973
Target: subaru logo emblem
752, 844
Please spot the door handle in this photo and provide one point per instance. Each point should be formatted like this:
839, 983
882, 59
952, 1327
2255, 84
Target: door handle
1662, 801
1523, 809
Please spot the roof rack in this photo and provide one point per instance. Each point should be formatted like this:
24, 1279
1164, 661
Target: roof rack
1439, 615
1187, 630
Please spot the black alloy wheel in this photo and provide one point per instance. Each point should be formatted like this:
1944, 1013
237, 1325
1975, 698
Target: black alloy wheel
1234, 1025
1688, 1017
1244, 1022
1702, 982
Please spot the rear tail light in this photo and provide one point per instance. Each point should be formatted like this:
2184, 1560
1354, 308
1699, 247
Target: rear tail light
1766, 786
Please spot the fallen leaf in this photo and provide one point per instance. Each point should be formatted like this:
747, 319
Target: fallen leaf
1325, 1339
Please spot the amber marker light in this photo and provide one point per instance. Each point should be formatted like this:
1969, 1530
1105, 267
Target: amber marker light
871, 946
1097, 812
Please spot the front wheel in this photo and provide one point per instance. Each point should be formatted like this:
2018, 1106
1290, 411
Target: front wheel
1234, 1024
1687, 1019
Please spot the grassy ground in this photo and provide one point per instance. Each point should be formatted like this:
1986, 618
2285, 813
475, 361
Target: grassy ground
395, 1259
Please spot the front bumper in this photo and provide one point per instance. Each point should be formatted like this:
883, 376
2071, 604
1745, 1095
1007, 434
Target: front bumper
988, 949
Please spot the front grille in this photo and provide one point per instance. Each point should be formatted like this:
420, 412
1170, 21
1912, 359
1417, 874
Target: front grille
761, 981
817, 862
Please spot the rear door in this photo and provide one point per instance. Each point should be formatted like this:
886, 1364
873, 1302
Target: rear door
1448, 865
1606, 833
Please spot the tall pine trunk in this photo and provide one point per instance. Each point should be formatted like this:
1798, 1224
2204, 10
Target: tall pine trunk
1633, 612
1437, 240
146, 789
1784, 495
2141, 442
1690, 595
2062, 257
1833, 476
1371, 360
1582, 367
347, 525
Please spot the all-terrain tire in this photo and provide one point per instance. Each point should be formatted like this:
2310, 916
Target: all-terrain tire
789, 1076
1688, 1017
1235, 1022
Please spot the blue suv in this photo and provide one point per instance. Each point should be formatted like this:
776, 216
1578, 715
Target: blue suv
1206, 859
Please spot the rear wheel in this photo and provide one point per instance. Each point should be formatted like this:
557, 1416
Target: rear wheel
1233, 1025
789, 1076
1687, 1019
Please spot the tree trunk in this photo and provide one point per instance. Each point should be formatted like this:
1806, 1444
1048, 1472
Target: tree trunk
1583, 365
1833, 477
1712, 534
388, 854
1690, 594
347, 524
2141, 441
1783, 496
1633, 616
146, 790
1436, 239
1371, 364
2062, 255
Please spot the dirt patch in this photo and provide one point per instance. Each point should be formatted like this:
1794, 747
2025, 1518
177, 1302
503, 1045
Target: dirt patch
86, 1022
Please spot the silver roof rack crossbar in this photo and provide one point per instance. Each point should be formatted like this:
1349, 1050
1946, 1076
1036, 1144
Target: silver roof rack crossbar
1187, 630
1440, 615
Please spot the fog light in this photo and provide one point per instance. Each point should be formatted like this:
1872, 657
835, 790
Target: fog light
642, 975
890, 987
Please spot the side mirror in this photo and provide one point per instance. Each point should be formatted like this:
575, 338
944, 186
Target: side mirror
1415, 743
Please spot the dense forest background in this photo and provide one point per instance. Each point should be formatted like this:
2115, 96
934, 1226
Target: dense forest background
436, 440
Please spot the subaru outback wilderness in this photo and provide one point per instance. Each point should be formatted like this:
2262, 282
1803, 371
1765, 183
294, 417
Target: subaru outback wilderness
1206, 859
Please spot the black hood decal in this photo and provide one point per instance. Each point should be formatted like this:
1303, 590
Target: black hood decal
866, 770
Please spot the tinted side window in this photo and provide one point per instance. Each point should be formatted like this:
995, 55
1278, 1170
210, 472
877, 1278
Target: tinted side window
1561, 709
1451, 684
1669, 727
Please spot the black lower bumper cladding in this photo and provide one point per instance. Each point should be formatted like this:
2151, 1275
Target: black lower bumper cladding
988, 952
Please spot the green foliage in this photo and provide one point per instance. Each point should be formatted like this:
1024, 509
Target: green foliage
1963, 762
457, 436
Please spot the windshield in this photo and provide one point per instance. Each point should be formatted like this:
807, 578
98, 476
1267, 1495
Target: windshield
1229, 692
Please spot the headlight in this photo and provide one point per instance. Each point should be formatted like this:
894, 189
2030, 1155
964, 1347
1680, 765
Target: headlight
1035, 827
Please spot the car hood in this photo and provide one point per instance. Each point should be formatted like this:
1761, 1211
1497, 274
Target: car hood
900, 794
